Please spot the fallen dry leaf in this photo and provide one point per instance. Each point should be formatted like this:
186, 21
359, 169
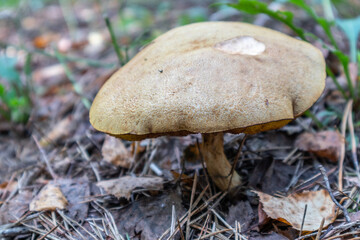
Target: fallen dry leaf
354, 216
6, 187
115, 152
60, 130
148, 218
353, 180
124, 186
12, 210
50, 198
49, 75
266, 236
291, 209
324, 144
243, 213
43, 41
76, 192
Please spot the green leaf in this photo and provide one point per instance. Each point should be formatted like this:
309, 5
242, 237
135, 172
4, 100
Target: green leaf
344, 59
325, 24
2, 90
8, 70
192, 15
256, 7
9, 3
351, 28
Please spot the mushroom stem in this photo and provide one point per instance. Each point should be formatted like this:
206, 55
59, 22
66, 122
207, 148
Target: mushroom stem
217, 164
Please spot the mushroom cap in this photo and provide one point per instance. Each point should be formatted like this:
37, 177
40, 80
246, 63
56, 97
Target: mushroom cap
210, 77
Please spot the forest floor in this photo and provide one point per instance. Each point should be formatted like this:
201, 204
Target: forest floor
54, 168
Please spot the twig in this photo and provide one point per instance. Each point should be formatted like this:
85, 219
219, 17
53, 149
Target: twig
49, 232
345, 235
303, 220
87, 158
226, 224
181, 233
12, 232
203, 165
46, 160
173, 220
183, 218
342, 149
342, 227
215, 233
236, 160
204, 226
149, 161
187, 232
320, 229
288, 157
327, 185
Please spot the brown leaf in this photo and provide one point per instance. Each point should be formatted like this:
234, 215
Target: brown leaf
124, 186
76, 192
354, 216
115, 152
324, 144
50, 198
43, 41
242, 213
12, 210
266, 236
50, 75
291, 209
60, 130
149, 218
6, 187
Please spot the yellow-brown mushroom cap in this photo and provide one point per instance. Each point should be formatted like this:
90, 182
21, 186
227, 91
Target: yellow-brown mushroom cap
211, 77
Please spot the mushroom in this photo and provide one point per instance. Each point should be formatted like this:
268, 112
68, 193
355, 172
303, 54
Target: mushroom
211, 78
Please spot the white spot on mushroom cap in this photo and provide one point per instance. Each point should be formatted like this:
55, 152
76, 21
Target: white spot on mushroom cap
241, 45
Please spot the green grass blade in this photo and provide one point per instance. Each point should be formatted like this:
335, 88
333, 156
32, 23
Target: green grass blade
113, 40
256, 7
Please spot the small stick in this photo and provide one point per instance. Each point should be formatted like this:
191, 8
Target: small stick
236, 160
327, 185
181, 233
49, 232
288, 157
215, 233
187, 232
173, 220
226, 224
320, 229
345, 235
342, 149
87, 158
46, 160
203, 165
303, 220
203, 230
